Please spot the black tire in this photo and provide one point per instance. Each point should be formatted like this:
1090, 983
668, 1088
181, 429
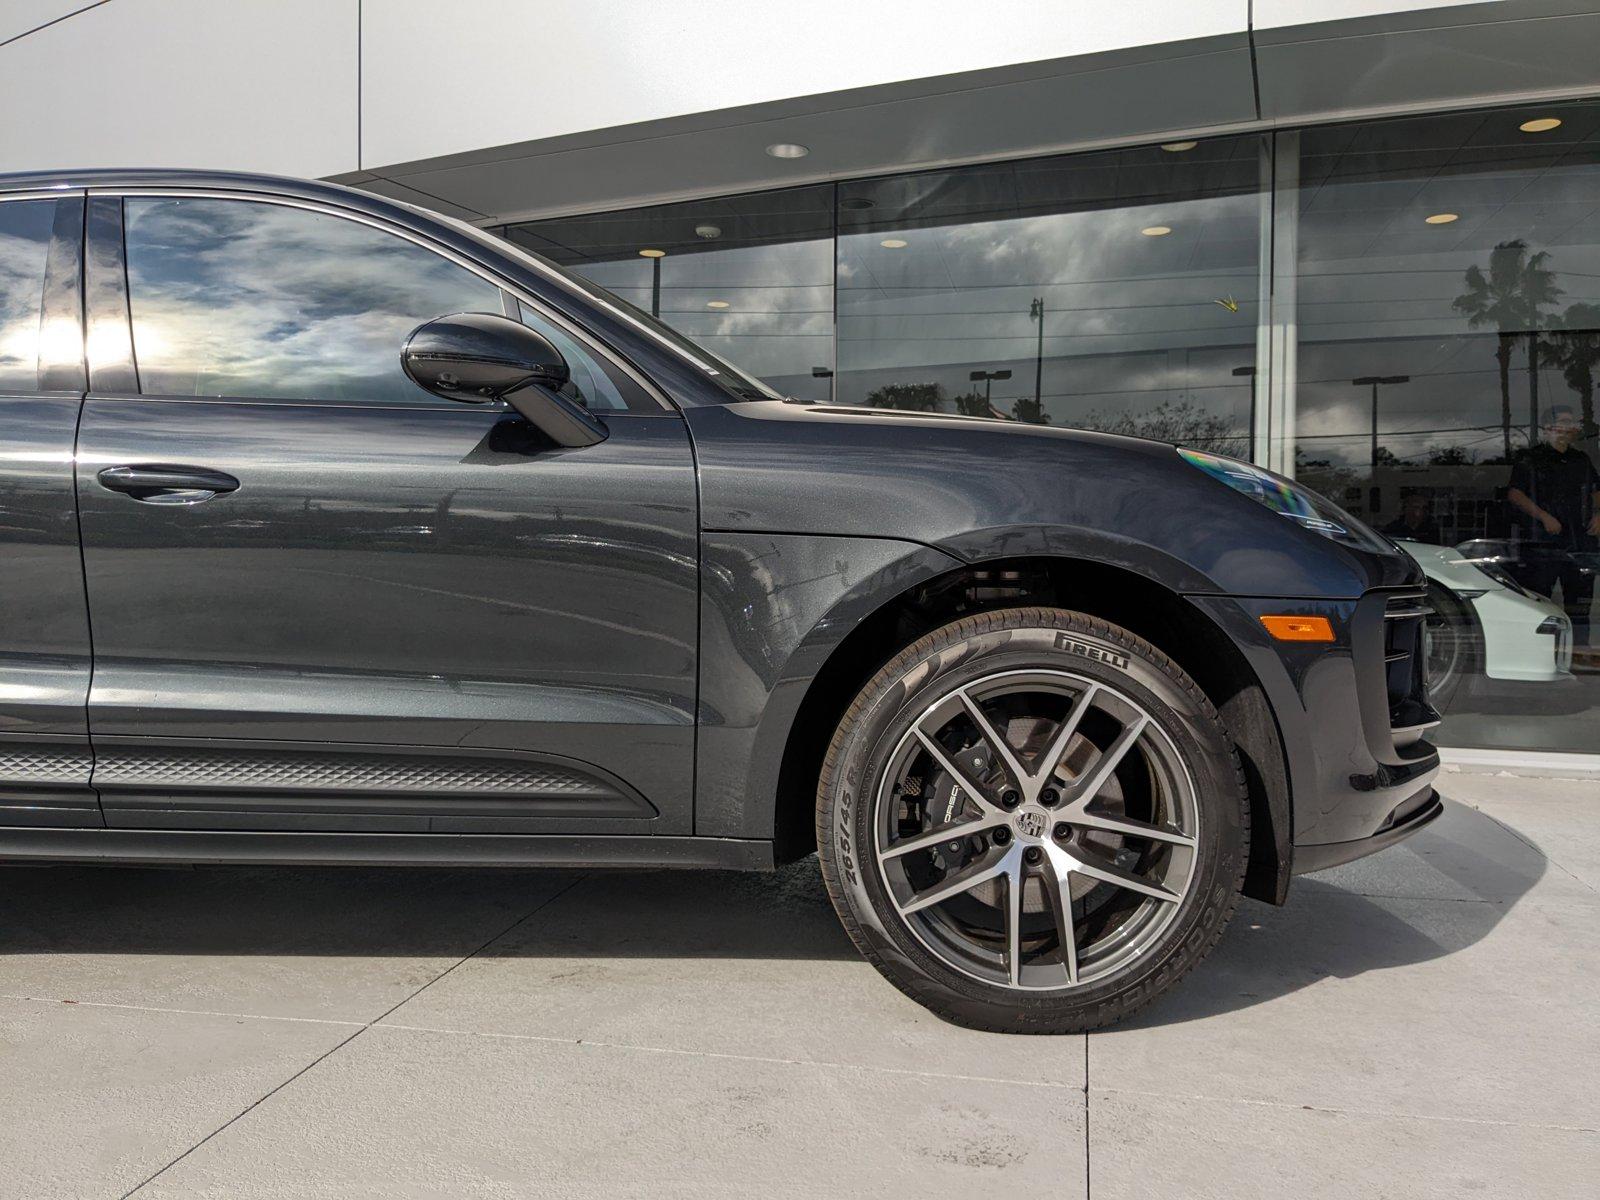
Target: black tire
1025, 643
1452, 619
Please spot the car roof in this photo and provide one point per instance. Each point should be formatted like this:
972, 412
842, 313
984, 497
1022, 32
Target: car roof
242, 181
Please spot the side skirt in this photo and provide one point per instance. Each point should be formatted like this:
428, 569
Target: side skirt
156, 847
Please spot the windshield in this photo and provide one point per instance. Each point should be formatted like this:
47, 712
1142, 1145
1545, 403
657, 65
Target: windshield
720, 370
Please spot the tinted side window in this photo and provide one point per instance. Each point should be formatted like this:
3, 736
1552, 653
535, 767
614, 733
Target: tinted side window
592, 384
248, 299
24, 245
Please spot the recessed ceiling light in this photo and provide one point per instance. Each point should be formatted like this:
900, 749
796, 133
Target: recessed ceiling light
788, 150
652, 253
708, 231
1442, 218
893, 243
716, 304
857, 203
1541, 125
1178, 147
1156, 230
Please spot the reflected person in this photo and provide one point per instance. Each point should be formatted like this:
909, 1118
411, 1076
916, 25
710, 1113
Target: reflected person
1415, 522
1555, 497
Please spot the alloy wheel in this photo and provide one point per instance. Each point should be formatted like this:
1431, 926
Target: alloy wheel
1036, 830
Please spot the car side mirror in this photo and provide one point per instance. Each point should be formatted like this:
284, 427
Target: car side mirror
478, 358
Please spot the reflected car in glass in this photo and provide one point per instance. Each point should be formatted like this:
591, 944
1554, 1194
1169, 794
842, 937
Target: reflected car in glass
1486, 627
401, 545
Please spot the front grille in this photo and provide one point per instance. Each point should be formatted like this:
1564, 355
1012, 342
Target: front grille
1405, 666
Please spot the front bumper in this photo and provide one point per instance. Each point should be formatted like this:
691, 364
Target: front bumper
1411, 816
1352, 716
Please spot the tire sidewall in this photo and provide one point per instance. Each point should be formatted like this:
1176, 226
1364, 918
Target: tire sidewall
1024, 640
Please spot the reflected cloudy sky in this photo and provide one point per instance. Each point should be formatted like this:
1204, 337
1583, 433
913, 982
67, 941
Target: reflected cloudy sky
232, 298
24, 242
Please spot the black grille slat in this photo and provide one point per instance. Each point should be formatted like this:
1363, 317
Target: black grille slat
1405, 664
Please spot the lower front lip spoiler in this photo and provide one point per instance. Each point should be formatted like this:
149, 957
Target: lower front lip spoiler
1333, 854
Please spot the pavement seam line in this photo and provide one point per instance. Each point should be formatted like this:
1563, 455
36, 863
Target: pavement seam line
773, 1060
343, 1042
181, 1012
381, 1024
1088, 1172
1539, 850
1364, 1114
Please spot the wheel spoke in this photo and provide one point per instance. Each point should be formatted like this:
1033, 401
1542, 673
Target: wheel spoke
1058, 893
970, 876
1014, 921
1105, 872
1087, 786
966, 780
932, 838
1051, 759
1128, 827
997, 742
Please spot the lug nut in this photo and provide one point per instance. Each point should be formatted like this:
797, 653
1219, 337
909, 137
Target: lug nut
1062, 830
1033, 854
1002, 836
1049, 797
1009, 798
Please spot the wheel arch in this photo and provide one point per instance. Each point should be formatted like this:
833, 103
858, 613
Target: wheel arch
1115, 593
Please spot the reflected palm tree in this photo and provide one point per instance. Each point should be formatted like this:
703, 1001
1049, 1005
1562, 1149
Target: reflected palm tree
1577, 352
912, 397
1508, 299
1029, 411
975, 404
1183, 423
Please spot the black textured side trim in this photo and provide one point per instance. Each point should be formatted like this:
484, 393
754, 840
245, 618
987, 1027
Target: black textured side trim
43, 763
277, 777
380, 849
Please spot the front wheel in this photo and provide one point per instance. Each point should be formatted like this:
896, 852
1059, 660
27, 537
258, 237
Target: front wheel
1032, 820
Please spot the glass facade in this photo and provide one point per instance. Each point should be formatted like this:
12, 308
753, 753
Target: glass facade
1403, 314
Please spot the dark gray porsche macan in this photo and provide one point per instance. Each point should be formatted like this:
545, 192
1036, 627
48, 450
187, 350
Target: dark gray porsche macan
334, 531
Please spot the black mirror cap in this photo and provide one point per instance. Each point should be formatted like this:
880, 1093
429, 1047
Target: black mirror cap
478, 357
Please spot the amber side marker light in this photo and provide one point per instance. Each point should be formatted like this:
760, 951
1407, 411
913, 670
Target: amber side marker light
1299, 629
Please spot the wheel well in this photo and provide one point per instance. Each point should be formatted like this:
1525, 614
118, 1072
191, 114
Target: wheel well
1131, 600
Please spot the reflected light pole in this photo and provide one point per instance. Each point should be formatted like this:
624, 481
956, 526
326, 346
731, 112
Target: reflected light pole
1036, 313
1374, 382
655, 256
987, 378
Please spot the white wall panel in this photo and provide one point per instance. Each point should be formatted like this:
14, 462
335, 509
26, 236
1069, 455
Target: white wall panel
444, 78
266, 85
1274, 14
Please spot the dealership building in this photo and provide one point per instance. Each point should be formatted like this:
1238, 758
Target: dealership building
1354, 241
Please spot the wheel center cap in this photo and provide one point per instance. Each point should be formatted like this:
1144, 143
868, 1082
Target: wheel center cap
1032, 822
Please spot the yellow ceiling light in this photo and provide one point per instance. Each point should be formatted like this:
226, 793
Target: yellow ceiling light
650, 252
1156, 230
1442, 218
1178, 147
893, 243
716, 304
1541, 125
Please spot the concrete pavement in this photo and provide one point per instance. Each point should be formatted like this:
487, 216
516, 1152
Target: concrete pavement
1423, 1023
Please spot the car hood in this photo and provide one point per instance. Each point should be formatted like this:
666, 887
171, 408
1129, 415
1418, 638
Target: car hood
981, 489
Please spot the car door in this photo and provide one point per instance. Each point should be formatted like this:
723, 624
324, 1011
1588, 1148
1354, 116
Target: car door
44, 628
324, 599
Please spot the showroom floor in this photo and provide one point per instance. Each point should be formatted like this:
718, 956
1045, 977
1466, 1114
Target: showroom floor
1424, 1023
